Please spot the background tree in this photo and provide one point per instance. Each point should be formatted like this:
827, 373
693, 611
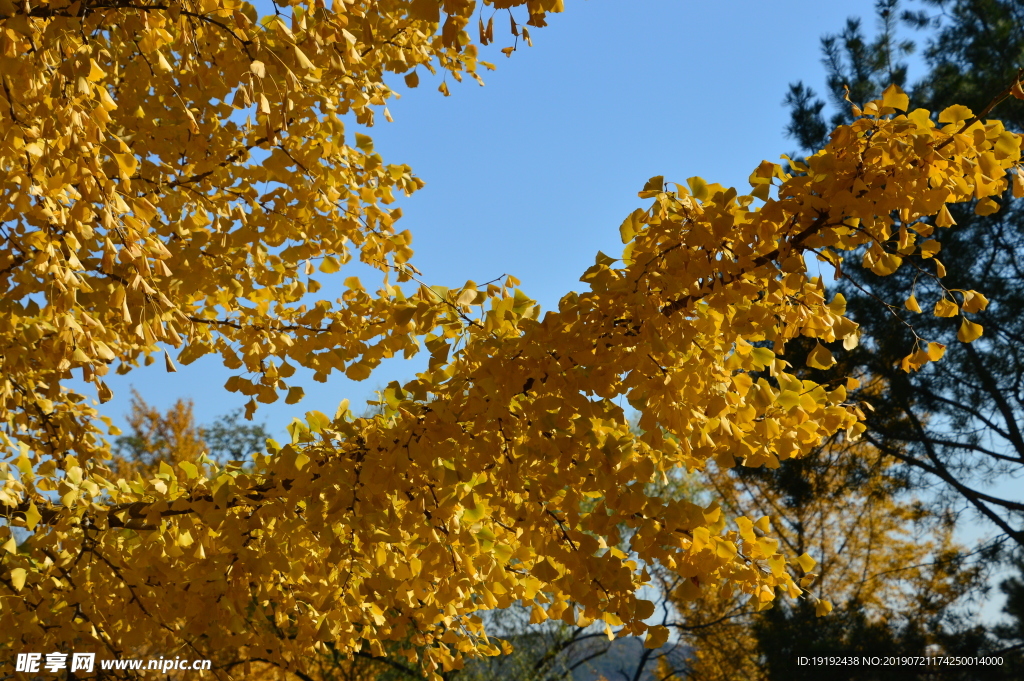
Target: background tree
1011, 633
174, 436
955, 424
891, 567
154, 437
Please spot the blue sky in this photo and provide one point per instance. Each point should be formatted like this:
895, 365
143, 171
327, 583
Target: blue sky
532, 174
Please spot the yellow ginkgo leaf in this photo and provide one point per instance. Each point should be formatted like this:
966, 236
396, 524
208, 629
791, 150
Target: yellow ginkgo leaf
987, 206
302, 59
943, 219
946, 308
805, 562
359, 371
95, 72
895, 98
974, 302
930, 247
935, 351
32, 516
969, 331
955, 114
656, 637
820, 357
127, 163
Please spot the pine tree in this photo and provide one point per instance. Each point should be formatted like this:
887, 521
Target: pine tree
955, 424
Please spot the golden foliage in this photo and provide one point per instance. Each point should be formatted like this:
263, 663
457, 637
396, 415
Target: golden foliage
139, 214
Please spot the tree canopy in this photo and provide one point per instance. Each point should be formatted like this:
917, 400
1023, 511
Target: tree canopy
141, 215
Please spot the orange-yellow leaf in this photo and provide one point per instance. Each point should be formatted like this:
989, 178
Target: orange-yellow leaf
955, 114
944, 219
1018, 183
895, 97
987, 206
656, 637
946, 308
32, 516
820, 357
935, 351
974, 302
806, 563
303, 60
95, 72
969, 331
359, 371
930, 248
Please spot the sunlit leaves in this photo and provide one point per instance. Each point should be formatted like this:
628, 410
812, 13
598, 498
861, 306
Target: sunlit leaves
32, 517
141, 214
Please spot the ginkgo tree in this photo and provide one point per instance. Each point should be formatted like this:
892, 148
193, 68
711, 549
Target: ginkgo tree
141, 216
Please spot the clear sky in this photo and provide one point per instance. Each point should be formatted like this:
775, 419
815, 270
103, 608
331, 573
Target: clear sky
532, 174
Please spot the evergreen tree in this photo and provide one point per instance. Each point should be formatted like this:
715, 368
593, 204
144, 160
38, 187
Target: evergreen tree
954, 426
